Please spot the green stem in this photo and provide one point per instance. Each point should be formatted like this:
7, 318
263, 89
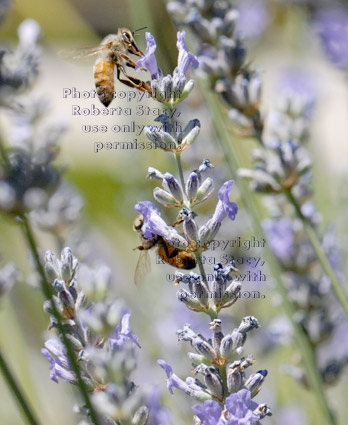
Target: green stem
200, 264
181, 174
17, 392
322, 257
46, 289
4, 155
305, 346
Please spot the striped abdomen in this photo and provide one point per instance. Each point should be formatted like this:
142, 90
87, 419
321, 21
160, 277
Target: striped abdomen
104, 80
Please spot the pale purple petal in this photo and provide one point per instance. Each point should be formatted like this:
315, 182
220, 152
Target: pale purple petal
173, 381
153, 223
225, 206
185, 58
332, 28
209, 413
123, 333
239, 406
149, 60
158, 414
53, 373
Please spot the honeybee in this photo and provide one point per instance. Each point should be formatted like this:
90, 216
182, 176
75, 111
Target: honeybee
113, 52
171, 255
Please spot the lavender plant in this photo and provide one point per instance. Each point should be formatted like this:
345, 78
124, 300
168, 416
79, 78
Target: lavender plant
226, 392
95, 348
282, 167
98, 329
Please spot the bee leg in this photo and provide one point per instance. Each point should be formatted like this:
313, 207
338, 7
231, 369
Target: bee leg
134, 82
131, 63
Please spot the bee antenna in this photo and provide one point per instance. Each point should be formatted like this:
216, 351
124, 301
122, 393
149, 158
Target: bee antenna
139, 29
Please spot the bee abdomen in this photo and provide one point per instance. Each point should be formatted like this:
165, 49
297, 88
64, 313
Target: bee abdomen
104, 81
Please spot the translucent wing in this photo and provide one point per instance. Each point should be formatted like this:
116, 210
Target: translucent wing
77, 54
143, 267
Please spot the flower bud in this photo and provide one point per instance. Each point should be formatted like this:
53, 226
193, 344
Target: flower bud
235, 378
188, 135
213, 382
187, 89
141, 416
175, 239
190, 226
153, 173
172, 185
226, 347
51, 266
192, 185
204, 348
254, 383
179, 82
164, 198
189, 300
160, 138
231, 293
205, 190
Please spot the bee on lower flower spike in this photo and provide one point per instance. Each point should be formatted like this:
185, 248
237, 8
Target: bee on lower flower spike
169, 254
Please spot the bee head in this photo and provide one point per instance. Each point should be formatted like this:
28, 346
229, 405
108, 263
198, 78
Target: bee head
128, 39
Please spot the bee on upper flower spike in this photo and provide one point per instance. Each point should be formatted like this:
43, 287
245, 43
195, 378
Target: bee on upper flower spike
113, 52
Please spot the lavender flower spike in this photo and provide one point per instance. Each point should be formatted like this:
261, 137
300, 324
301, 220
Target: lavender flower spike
149, 60
185, 58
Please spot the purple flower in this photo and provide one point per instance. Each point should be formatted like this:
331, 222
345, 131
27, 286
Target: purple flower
280, 237
253, 18
225, 206
298, 86
332, 28
153, 222
239, 406
123, 333
155, 225
238, 410
173, 381
59, 365
185, 58
158, 414
209, 413
149, 60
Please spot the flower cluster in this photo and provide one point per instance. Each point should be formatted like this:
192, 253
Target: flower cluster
224, 378
95, 349
282, 167
27, 174
283, 170
98, 329
225, 383
169, 89
223, 56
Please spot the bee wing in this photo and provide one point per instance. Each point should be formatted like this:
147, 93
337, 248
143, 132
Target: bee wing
78, 54
143, 267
